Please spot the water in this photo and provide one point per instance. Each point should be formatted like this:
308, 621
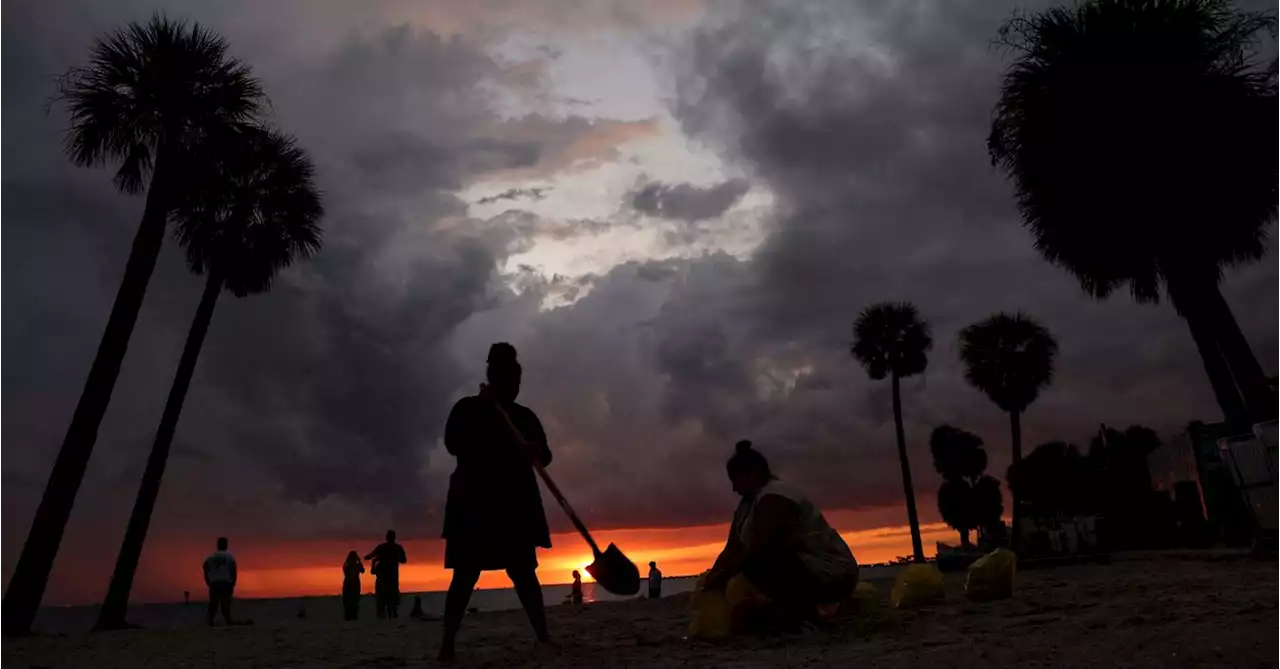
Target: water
278, 612
275, 612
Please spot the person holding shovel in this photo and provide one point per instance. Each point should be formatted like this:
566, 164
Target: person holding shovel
493, 513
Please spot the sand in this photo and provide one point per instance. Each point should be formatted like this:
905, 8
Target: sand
1150, 610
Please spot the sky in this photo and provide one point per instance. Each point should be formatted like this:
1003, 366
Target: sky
673, 209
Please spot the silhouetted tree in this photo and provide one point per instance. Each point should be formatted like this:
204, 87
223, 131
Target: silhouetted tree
150, 93
1053, 480
257, 212
1118, 460
965, 499
1139, 135
1009, 357
891, 340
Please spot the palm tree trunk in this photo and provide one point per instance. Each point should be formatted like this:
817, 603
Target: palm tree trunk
1192, 297
114, 608
916, 546
1225, 392
31, 575
1015, 429
1246, 371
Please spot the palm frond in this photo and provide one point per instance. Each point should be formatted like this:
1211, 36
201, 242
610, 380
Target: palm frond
162, 82
1137, 134
1009, 357
889, 338
256, 210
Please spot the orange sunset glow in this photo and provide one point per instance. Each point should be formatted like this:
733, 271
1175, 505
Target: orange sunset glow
678, 552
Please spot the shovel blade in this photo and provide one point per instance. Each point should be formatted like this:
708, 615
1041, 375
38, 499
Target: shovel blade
615, 573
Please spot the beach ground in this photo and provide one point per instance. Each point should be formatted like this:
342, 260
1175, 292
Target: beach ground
1150, 610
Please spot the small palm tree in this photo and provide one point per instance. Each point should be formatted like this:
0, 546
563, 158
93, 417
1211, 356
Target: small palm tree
891, 340
258, 212
150, 94
1009, 357
1138, 135
959, 457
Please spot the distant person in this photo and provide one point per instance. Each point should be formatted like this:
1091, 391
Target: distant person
351, 570
493, 515
783, 545
220, 576
417, 613
655, 581
387, 558
576, 593
186, 597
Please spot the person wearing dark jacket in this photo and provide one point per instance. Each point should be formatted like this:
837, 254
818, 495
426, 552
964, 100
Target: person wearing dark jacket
493, 514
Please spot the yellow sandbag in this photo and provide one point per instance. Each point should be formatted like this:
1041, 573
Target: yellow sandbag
865, 595
742, 594
917, 584
712, 616
991, 576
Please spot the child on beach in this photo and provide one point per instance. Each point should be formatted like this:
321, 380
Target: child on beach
220, 576
655, 581
577, 588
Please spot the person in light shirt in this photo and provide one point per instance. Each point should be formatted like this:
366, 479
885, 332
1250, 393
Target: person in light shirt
220, 576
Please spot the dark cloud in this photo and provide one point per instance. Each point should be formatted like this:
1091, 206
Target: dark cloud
534, 194
687, 202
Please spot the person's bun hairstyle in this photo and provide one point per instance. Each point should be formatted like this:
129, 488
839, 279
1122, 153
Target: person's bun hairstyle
745, 457
501, 353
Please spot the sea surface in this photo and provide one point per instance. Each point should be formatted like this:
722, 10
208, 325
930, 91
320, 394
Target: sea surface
288, 611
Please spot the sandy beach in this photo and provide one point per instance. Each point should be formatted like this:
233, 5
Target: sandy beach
1143, 610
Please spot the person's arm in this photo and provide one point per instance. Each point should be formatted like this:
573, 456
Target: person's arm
539, 440
772, 524
372, 554
234, 573
361, 565
727, 563
206, 573
403, 558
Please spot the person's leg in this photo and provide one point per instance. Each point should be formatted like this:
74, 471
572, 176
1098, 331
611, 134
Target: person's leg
455, 606
792, 591
227, 593
212, 608
529, 590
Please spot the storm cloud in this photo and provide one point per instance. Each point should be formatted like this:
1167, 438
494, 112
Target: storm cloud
317, 409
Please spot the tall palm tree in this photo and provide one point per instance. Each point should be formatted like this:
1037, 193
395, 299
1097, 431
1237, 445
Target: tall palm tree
258, 212
1138, 135
1009, 357
891, 340
149, 94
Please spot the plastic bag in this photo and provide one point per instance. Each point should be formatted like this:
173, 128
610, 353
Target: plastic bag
917, 584
712, 617
714, 612
991, 576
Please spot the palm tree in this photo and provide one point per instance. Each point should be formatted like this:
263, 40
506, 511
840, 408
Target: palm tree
959, 457
149, 94
259, 212
1138, 135
1009, 357
891, 340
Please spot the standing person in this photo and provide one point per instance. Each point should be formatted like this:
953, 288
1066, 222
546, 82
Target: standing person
351, 570
493, 515
387, 558
655, 581
576, 593
220, 576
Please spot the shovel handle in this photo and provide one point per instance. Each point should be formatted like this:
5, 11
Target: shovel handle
551, 485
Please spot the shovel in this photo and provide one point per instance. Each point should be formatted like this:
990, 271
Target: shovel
611, 569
